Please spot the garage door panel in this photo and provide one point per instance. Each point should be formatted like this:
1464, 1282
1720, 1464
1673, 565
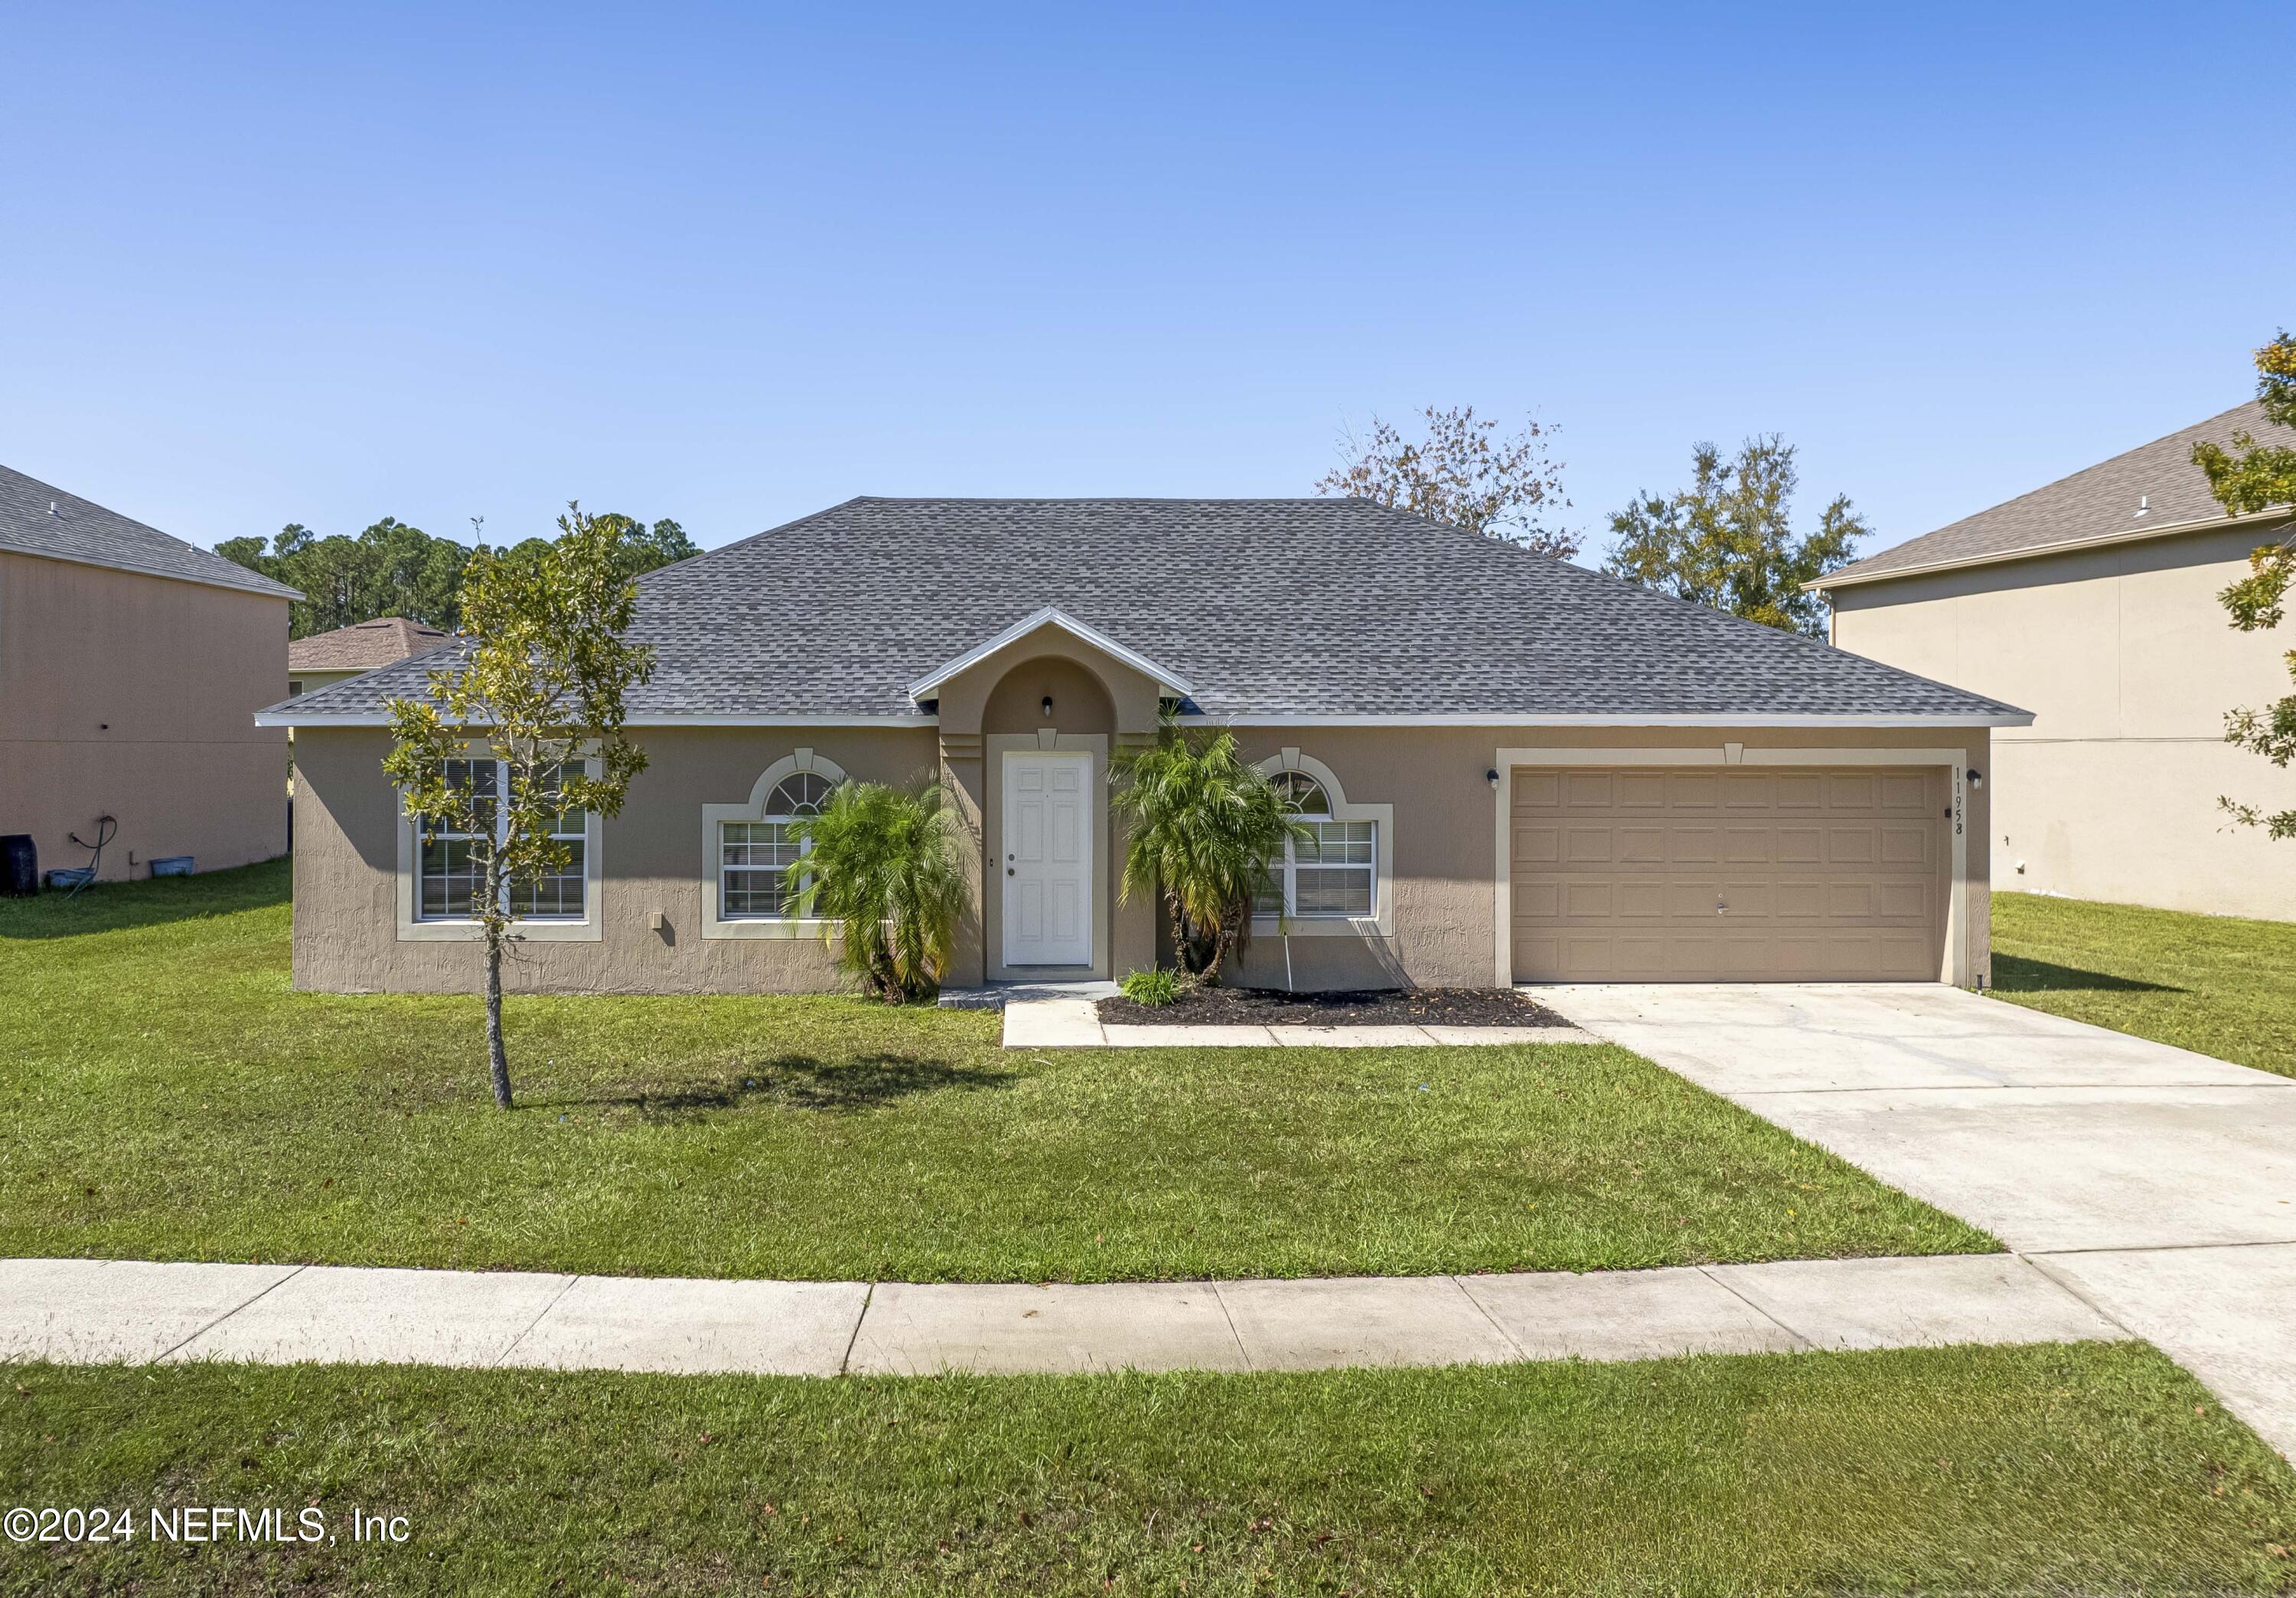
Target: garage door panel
1801, 791
1905, 844
1538, 845
1589, 901
1690, 874
1641, 790
1801, 846
1696, 845
1641, 845
1642, 901
1538, 898
1537, 790
1905, 792
1589, 790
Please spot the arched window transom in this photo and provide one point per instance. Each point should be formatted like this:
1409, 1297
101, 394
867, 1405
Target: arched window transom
1331, 873
754, 857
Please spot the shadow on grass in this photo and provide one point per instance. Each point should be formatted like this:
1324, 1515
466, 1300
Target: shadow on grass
153, 901
800, 1082
2016, 974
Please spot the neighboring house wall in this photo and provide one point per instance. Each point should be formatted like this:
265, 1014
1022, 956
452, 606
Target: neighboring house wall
1445, 837
135, 696
2128, 662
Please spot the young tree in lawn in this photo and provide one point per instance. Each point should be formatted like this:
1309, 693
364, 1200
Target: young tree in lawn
1726, 541
534, 693
2249, 478
1460, 474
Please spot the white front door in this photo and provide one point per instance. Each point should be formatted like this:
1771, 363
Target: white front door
1047, 862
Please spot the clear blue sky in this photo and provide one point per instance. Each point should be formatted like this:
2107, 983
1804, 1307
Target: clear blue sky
320, 264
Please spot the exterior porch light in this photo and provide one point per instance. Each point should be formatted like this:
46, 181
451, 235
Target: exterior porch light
1048, 707
1976, 777
1492, 777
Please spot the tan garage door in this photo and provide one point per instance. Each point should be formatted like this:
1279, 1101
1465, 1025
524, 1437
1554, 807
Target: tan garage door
1778, 873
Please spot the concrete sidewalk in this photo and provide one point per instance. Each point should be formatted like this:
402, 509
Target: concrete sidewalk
137, 1312
2159, 1184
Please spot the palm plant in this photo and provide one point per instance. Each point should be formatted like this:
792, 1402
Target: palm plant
1204, 825
884, 866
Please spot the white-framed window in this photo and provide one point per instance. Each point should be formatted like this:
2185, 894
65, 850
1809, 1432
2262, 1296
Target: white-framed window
1333, 871
447, 877
753, 856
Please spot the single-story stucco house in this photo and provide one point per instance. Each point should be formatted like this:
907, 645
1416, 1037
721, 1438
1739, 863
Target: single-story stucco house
131, 666
2093, 601
1517, 769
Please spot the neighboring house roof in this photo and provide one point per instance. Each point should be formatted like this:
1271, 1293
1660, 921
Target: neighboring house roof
38, 518
2145, 493
363, 645
1270, 609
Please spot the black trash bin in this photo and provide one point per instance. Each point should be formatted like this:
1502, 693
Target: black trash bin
20, 866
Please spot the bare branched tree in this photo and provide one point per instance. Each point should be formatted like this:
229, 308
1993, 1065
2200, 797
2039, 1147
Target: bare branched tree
1461, 473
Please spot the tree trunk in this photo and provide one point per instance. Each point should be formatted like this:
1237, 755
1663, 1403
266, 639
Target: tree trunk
498, 1063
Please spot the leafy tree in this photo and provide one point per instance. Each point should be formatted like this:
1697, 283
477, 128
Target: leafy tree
538, 687
1203, 826
1726, 541
2249, 478
393, 569
884, 865
1461, 474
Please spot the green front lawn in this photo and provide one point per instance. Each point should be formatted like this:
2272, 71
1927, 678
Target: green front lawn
2056, 1469
2213, 984
168, 1096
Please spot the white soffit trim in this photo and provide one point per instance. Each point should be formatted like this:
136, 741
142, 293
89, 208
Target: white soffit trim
2032, 552
1471, 718
1052, 615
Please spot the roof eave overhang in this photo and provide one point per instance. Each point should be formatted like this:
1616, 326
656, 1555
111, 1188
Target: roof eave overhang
284, 716
1472, 718
1171, 681
1851, 578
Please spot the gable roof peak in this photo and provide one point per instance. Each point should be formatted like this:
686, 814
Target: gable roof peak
1052, 615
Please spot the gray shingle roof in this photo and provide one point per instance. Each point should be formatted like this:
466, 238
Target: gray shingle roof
2099, 501
80, 529
1281, 607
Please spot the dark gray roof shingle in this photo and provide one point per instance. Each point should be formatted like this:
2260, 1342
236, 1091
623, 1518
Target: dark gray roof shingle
80, 529
2097, 502
1284, 606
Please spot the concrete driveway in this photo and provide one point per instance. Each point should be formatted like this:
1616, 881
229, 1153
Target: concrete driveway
2158, 1183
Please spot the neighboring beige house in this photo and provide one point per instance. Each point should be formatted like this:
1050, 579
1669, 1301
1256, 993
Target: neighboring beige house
325, 659
2093, 602
1514, 768
131, 665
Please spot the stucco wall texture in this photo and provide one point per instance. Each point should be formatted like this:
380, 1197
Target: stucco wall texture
2128, 663
135, 697
1445, 864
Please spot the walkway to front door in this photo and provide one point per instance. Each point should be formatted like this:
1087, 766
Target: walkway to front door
1047, 858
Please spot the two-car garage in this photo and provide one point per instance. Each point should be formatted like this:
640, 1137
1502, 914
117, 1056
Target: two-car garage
1729, 873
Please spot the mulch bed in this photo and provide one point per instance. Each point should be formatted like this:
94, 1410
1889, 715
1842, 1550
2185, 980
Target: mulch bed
1400, 1007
